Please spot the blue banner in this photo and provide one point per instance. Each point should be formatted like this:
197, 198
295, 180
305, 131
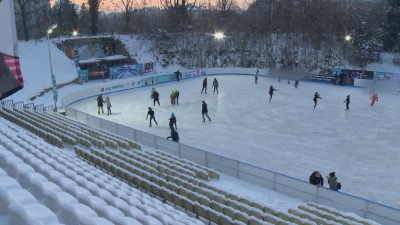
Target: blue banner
83, 75
158, 79
139, 69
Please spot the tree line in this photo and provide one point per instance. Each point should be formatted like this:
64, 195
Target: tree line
322, 25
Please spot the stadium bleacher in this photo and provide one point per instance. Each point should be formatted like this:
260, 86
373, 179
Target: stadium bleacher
111, 180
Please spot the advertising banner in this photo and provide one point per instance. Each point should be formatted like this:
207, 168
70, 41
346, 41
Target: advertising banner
83, 75
148, 67
10, 73
95, 74
90, 50
393, 77
55, 91
358, 74
113, 72
158, 79
76, 58
139, 69
379, 75
121, 86
336, 72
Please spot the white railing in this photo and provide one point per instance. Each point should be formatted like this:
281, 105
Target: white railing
270, 179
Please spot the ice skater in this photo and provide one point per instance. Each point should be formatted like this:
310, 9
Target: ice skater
151, 113
172, 121
175, 96
155, 97
215, 85
316, 96
296, 83
108, 103
374, 97
271, 92
341, 78
174, 135
256, 77
100, 104
204, 86
347, 102
204, 111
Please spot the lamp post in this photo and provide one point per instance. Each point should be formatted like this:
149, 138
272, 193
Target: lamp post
53, 78
347, 38
75, 33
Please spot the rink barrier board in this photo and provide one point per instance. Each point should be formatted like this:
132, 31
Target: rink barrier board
269, 179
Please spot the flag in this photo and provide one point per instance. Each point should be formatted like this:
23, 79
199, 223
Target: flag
10, 73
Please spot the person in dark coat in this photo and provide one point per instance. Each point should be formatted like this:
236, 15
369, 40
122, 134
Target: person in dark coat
155, 97
317, 179
100, 104
151, 113
204, 111
347, 102
215, 85
177, 75
296, 82
174, 135
256, 77
341, 79
271, 92
316, 96
332, 181
204, 85
175, 96
172, 121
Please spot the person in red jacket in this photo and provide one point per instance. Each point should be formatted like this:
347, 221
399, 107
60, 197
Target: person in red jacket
374, 97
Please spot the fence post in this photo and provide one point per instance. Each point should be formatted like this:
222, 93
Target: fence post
206, 159
316, 195
179, 150
155, 141
237, 170
274, 181
134, 134
87, 118
366, 209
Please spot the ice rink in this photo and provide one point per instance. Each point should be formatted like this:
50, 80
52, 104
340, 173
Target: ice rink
285, 135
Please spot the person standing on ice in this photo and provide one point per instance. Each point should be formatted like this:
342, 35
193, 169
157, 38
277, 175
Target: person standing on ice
341, 78
100, 104
108, 103
174, 135
155, 97
316, 179
204, 85
347, 102
215, 85
172, 121
175, 96
151, 113
152, 91
256, 77
296, 82
204, 111
316, 96
374, 97
271, 92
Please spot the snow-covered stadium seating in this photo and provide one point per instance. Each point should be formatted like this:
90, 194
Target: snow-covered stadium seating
111, 180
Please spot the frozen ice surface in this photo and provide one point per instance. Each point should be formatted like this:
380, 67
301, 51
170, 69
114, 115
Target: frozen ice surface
285, 135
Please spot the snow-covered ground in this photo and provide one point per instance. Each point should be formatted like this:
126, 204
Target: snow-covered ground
286, 135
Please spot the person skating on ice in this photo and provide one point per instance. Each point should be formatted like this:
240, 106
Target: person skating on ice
151, 113
108, 103
347, 102
152, 91
204, 111
215, 85
100, 104
296, 83
271, 92
374, 97
316, 96
172, 121
174, 135
175, 96
204, 86
155, 97
256, 77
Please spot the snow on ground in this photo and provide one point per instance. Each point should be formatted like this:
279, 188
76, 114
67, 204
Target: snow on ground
386, 65
35, 68
286, 135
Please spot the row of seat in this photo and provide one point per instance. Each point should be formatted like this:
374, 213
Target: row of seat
41, 133
79, 192
186, 190
212, 173
330, 214
171, 192
121, 141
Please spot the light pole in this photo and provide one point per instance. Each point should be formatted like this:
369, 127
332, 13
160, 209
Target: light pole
347, 38
53, 78
75, 33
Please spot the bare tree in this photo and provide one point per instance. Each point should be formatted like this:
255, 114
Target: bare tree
178, 10
127, 13
23, 11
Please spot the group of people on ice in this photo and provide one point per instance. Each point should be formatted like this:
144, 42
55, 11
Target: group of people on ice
215, 85
317, 180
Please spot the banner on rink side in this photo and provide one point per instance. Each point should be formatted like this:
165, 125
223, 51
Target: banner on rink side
158, 79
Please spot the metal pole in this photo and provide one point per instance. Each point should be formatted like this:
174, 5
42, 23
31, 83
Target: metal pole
51, 68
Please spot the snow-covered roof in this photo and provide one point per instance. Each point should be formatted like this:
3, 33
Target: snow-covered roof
90, 60
113, 57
